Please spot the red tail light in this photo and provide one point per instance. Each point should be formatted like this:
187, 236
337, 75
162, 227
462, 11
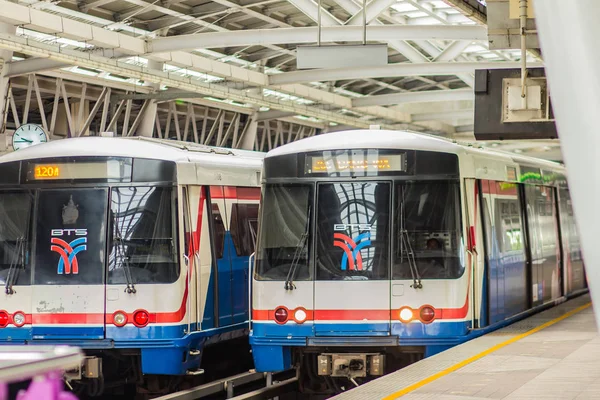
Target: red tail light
427, 314
141, 318
281, 315
3, 319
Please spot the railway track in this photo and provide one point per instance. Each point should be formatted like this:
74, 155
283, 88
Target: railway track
243, 386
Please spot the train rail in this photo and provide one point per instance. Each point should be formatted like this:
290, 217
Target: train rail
246, 382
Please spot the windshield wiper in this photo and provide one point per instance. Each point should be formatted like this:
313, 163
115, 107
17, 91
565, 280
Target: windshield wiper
289, 280
16, 265
123, 257
410, 256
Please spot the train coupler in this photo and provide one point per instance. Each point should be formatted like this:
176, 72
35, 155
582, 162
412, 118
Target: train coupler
349, 365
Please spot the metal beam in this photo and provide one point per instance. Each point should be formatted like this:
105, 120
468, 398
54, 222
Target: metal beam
341, 33
391, 70
34, 48
310, 9
32, 65
374, 9
443, 116
414, 97
274, 114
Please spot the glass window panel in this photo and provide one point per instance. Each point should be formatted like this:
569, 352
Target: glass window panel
15, 237
244, 222
284, 242
428, 225
144, 244
353, 231
70, 236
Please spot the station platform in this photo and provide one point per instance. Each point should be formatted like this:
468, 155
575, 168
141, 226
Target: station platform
552, 355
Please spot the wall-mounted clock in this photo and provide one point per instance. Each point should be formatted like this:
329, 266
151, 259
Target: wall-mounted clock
28, 135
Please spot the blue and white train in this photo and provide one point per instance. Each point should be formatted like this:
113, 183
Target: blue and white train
135, 250
377, 248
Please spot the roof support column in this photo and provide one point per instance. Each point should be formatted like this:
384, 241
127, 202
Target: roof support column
148, 122
5, 57
249, 135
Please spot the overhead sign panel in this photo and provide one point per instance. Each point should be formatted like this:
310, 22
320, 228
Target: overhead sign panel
502, 113
341, 56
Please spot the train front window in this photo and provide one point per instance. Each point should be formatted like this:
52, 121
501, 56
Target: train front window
15, 241
142, 241
284, 241
427, 232
353, 231
70, 236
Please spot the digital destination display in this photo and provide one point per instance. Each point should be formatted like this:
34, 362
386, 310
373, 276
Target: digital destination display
362, 162
109, 170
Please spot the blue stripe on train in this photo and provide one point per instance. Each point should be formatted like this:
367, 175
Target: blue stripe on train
406, 333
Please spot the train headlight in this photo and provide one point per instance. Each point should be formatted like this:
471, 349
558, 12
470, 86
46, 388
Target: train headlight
3, 319
281, 315
406, 314
427, 314
119, 318
300, 315
141, 318
19, 319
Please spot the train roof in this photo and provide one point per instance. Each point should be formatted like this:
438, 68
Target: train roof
387, 139
137, 147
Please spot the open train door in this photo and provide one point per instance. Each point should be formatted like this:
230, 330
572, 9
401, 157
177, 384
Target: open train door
352, 287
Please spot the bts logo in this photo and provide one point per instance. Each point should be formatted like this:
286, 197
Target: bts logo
352, 259
68, 262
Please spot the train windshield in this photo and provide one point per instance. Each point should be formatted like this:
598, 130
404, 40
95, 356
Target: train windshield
428, 226
353, 231
143, 245
67, 243
284, 239
15, 242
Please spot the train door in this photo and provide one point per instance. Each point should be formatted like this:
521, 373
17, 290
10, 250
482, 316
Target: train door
243, 226
505, 257
200, 256
574, 274
221, 277
352, 287
544, 243
68, 270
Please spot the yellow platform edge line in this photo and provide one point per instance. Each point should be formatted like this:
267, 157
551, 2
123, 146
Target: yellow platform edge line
484, 353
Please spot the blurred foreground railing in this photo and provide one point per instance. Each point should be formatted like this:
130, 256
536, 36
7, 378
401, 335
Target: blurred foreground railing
43, 364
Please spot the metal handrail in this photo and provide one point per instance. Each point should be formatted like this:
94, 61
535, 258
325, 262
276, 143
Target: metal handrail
19, 363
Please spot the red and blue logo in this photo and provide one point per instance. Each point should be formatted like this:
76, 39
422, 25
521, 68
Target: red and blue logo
352, 259
68, 262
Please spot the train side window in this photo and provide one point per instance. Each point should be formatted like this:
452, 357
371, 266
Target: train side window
15, 237
219, 231
244, 220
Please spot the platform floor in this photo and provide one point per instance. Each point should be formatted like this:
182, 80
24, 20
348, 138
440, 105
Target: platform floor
551, 355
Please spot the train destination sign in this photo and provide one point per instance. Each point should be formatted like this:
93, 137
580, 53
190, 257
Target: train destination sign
361, 162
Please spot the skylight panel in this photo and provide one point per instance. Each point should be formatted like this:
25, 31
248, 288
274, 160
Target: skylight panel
403, 7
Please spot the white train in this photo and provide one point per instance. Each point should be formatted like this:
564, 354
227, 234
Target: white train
377, 248
135, 250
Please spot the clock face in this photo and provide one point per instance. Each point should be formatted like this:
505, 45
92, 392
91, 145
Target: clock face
28, 135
